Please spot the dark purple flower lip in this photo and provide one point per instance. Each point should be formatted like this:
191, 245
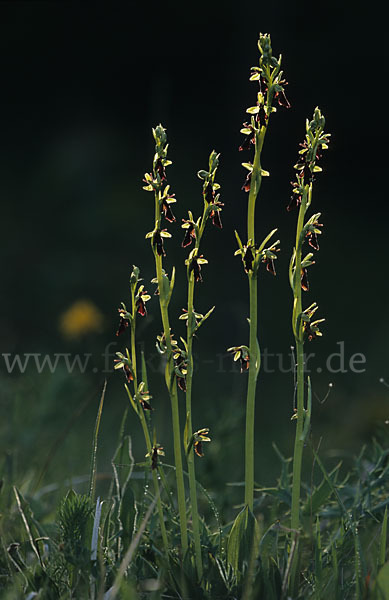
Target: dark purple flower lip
198, 448
126, 369
158, 243
157, 236
248, 259
249, 140
128, 373
156, 451
167, 211
199, 437
195, 267
190, 234
214, 215
141, 307
123, 324
160, 169
194, 262
181, 382
247, 253
124, 319
124, 362
304, 280
209, 193
247, 183
141, 298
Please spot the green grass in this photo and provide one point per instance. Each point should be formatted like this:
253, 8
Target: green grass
47, 548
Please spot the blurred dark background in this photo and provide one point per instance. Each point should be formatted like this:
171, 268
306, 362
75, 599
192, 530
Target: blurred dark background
82, 85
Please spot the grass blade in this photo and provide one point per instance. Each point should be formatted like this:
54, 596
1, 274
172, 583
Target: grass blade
92, 481
335, 570
115, 589
382, 551
23, 507
318, 563
95, 532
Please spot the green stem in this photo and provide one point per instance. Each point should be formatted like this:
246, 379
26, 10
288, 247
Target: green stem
172, 387
190, 455
256, 180
155, 482
297, 327
133, 347
299, 439
142, 418
252, 383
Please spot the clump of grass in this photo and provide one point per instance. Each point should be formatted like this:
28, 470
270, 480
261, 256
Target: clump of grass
326, 538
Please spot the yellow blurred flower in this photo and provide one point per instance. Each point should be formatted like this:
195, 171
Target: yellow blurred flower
80, 318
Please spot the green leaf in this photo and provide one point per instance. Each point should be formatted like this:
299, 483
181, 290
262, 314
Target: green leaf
243, 539
335, 569
334, 490
144, 369
93, 467
318, 562
265, 241
381, 587
133, 403
381, 558
320, 494
106, 521
307, 416
28, 521
238, 240
171, 284
186, 434
205, 317
281, 494
122, 464
268, 544
127, 514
